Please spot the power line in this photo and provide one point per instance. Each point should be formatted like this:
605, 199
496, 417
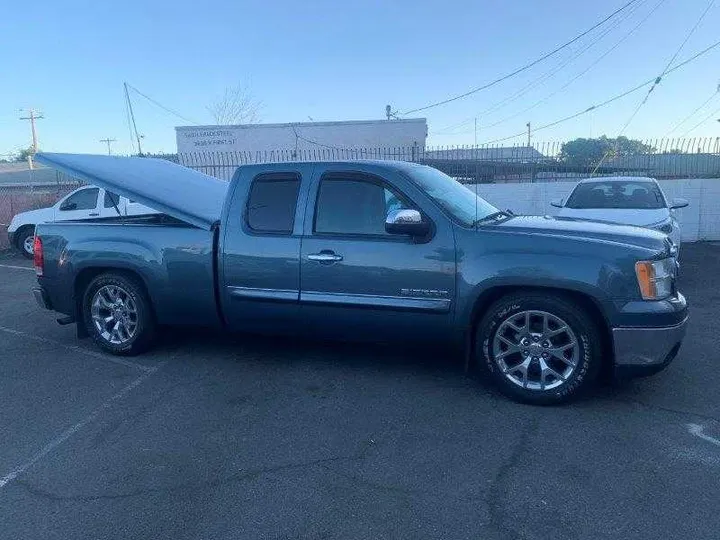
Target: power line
694, 112
654, 85
554, 71
579, 75
701, 122
548, 74
670, 62
612, 99
523, 68
163, 107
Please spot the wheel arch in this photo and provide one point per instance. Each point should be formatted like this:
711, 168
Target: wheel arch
85, 276
590, 304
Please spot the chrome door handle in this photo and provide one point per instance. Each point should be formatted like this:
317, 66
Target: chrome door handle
325, 257
94, 214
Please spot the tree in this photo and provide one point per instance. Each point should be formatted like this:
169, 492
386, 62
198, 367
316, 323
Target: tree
23, 154
588, 152
236, 106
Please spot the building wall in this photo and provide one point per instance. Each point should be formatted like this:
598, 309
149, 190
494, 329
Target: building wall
699, 221
305, 135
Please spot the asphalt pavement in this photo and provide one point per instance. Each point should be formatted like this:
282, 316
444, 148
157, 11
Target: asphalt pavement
212, 437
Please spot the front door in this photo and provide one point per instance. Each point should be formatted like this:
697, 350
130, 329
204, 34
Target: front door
359, 282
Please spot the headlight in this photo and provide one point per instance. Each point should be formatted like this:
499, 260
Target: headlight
656, 278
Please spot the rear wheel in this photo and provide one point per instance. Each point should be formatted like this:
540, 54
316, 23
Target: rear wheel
538, 348
118, 315
25, 240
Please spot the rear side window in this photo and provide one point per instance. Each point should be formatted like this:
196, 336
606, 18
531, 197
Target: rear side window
272, 202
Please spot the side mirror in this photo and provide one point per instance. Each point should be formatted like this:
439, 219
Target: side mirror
678, 203
557, 203
68, 206
406, 221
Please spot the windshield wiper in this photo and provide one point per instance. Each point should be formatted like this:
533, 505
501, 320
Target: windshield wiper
493, 216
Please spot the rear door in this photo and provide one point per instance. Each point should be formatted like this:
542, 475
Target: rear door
357, 281
260, 247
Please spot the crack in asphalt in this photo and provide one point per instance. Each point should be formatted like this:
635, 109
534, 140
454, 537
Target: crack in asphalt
241, 476
498, 492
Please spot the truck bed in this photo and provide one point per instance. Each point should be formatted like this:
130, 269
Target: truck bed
174, 260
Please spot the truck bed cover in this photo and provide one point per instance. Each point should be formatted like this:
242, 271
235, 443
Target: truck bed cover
177, 191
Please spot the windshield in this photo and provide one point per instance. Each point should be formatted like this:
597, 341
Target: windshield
456, 198
626, 195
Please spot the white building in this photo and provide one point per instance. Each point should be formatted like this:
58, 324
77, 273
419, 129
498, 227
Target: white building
302, 136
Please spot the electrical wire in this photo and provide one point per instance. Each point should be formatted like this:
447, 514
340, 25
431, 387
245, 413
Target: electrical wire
163, 107
657, 81
553, 72
701, 122
526, 66
612, 99
576, 77
694, 112
539, 80
670, 62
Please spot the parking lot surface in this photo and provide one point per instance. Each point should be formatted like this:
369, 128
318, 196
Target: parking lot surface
210, 436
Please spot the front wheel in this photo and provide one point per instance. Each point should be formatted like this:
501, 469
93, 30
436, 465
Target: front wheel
538, 348
26, 241
118, 315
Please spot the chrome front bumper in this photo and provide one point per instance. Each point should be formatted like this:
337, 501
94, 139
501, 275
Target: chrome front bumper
644, 351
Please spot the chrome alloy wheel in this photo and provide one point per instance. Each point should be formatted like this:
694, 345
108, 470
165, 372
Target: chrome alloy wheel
536, 350
29, 245
114, 314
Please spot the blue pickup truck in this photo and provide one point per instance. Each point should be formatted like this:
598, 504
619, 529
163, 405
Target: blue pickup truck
365, 250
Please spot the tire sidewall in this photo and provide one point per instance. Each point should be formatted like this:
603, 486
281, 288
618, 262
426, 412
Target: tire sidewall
145, 325
582, 326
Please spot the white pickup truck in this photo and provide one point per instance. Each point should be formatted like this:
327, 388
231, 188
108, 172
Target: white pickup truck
87, 202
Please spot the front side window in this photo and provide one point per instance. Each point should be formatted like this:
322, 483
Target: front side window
626, 195
272, 202
85, 199
348, 205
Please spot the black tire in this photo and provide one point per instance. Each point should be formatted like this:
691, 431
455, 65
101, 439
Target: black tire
145, 321
588, 352
23, 235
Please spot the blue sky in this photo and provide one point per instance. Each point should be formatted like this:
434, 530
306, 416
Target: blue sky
341, 60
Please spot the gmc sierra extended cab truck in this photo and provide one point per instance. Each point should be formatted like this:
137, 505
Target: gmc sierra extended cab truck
366, 250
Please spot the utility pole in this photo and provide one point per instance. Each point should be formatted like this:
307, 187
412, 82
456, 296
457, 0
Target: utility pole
132, 116
108, 141
476, 132
32, 116
528, 126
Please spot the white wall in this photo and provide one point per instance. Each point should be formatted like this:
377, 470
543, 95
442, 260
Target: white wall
267, 137
699, 221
